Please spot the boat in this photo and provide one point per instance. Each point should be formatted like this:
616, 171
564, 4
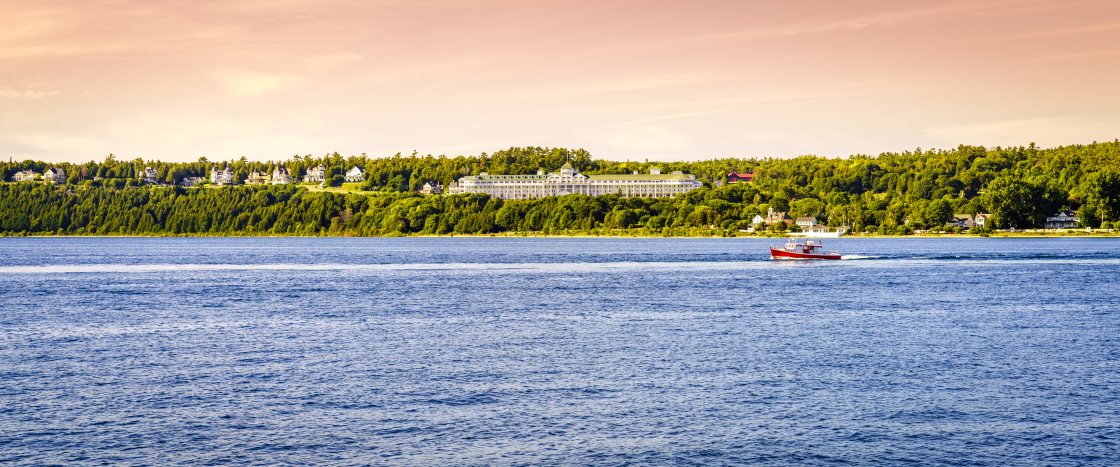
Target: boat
811, 249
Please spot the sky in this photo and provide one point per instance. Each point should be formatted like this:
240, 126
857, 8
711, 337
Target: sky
625, 80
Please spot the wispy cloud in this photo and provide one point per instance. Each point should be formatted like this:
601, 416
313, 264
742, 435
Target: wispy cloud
27, 94
250, 83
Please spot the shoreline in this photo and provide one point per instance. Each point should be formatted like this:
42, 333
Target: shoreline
1113, 234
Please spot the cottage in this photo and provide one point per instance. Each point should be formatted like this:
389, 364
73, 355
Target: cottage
734, 177
980, 219
149, 175
24, 176
1063, 220
776, 217
356, 174
191, 181
453, 188
816, 229
432, 188
757, 219
54, 175
315, 175
963, 221
221, 177
281, 176
258, 177
805, 222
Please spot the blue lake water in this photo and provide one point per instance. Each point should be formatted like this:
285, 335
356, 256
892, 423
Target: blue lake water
524, 351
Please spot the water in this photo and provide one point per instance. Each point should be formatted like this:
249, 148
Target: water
494, 351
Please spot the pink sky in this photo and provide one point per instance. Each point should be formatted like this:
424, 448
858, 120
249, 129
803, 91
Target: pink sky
176, 80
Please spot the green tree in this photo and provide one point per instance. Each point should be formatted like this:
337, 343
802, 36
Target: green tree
939, 212
1011, 203
1102, 197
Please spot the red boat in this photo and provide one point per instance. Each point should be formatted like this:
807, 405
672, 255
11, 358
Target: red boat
811, 249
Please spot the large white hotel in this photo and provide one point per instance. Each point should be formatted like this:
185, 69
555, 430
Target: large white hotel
568, 181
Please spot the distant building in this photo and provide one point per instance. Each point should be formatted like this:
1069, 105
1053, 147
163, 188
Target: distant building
963, 221
805, 222
356, 174
569, 181
432, 188
981, 219
149, 175
1063, 220
281, 176
734, 177
816, 229
24, 176
221, 177
757, 218
773, 217
191, 181
453, 188
258, 177
315, 175
54, 175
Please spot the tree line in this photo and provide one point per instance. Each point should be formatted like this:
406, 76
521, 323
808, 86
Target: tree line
889, 193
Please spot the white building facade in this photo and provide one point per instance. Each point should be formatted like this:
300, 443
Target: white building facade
355, 174
1063, 220
568, 181
24, 176
281, 176
316, 174
54, 175
221, 177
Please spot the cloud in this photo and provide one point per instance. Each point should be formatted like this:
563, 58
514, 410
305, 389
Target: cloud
250, 83
14, 94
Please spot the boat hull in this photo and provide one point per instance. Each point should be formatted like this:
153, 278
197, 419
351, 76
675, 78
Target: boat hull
778, 253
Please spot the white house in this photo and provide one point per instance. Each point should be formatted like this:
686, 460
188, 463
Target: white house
54, 175
281, 176
757, 219
818, 230
431, 188
1063, 220
981, 219
356, 174
24, 176
149, 175
221, 177
314, 175
805, 222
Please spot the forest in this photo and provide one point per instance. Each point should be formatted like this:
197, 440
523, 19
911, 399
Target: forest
892, 193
